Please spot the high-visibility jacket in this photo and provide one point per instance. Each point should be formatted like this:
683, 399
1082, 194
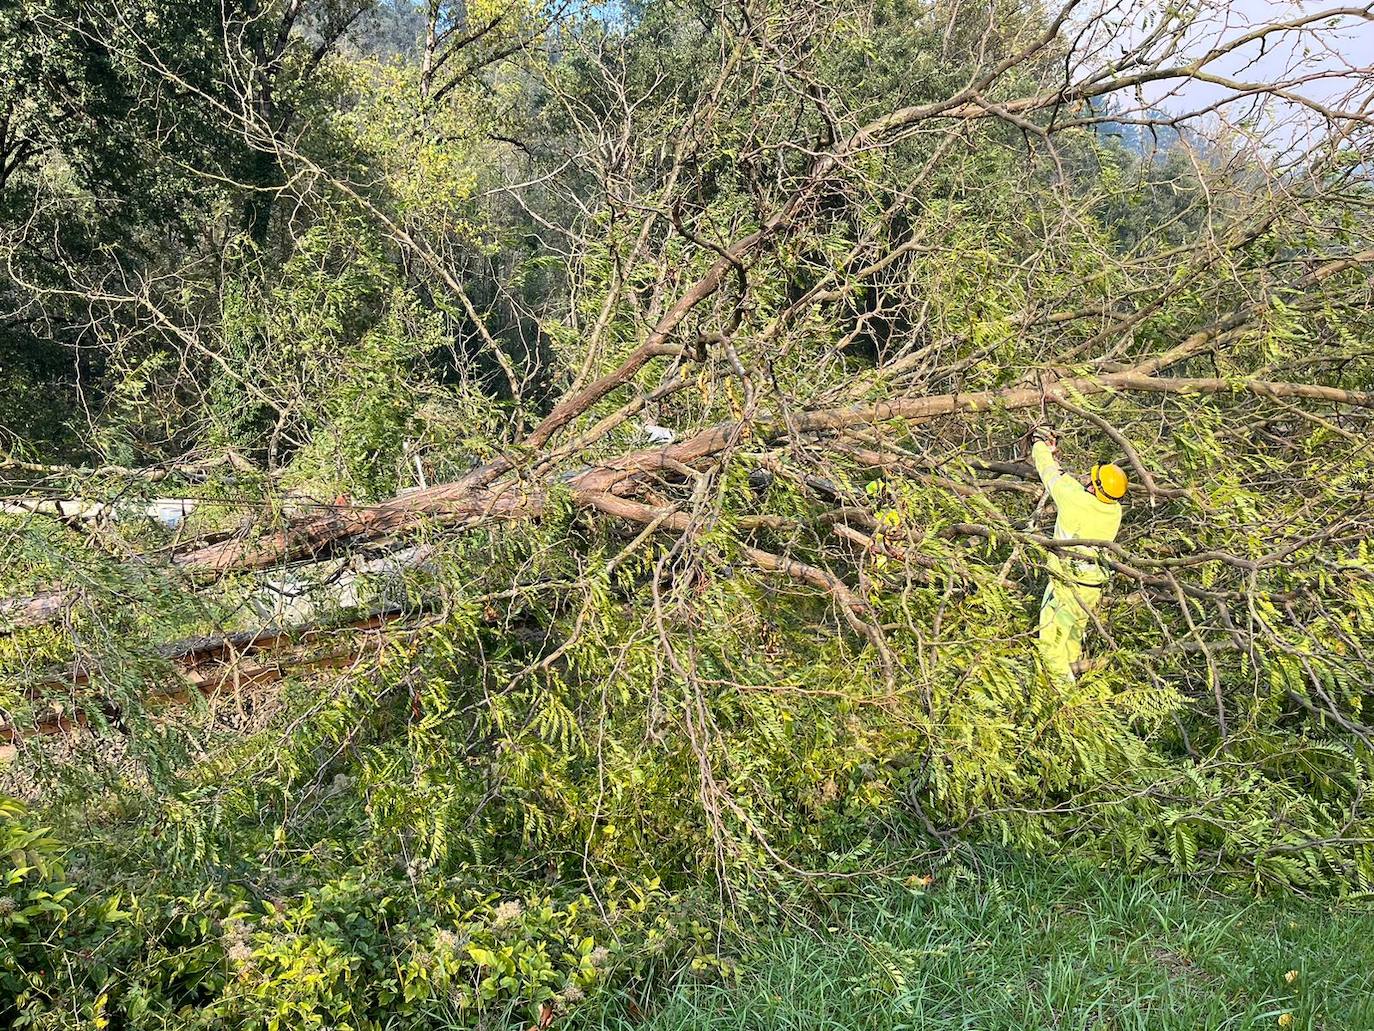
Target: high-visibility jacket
1082, 516
1076, 574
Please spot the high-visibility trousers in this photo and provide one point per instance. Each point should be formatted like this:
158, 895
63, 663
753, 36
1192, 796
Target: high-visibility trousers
1065, 612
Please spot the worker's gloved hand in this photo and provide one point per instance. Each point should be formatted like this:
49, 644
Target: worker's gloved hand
1045, 435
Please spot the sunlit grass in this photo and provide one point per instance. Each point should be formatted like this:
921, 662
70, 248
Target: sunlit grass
1023, 947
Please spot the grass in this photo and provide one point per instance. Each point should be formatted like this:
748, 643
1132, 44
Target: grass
1027, 947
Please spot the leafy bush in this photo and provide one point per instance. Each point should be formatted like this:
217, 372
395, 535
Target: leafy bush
348, 948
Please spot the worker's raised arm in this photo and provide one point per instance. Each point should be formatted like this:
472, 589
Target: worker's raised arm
1052, 476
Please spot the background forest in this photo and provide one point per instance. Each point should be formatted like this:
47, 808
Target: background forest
502, 498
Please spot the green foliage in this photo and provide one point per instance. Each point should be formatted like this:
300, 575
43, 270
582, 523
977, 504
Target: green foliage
375, 272
33, 896
341, 352
329, 946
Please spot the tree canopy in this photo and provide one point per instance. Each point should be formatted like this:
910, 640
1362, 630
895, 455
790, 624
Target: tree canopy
469, 452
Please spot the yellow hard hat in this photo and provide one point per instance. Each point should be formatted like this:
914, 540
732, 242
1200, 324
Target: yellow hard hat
1109, 482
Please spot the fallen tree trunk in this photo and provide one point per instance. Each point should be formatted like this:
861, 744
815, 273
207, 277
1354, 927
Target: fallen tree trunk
467, 502
474, 500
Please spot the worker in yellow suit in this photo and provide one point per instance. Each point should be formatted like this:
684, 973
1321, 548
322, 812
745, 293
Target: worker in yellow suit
1088, 511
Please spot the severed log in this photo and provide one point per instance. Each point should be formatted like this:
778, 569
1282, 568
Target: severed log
35, 609
81, 510
214, 664
341, 589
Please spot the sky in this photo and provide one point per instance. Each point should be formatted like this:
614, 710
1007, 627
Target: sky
1329, 54
1332, 51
